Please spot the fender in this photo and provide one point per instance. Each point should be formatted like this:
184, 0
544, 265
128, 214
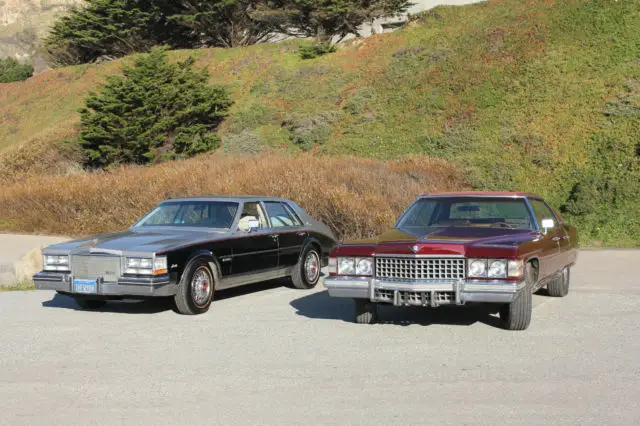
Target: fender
324, 259
214, 263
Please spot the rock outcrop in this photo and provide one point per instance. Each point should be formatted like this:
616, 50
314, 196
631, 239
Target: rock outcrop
23, 23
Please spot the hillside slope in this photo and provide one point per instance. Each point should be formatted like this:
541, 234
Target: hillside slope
539, 96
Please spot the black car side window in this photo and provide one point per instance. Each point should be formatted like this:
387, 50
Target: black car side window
252, 211
280, 216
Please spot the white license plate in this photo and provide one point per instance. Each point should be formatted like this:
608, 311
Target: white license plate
85, 286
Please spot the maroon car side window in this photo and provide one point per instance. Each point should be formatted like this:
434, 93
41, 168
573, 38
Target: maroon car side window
542, 212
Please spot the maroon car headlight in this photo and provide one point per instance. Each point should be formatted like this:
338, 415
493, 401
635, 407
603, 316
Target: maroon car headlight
477, 268
357, 266
497, 268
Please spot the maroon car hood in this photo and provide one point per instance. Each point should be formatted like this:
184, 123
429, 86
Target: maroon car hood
444, 240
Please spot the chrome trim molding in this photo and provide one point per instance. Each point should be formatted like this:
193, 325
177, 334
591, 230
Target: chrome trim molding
431, 293
421, 256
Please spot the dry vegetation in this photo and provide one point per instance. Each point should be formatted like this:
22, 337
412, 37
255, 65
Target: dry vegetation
354, 196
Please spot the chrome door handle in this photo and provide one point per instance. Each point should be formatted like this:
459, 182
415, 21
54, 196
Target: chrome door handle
302, 233
566, 237
555, 239
275, 237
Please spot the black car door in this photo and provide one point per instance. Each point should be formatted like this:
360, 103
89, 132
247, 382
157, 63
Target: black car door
254, 251
289, 229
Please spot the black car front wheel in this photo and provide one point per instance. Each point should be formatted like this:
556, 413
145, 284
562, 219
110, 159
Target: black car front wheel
306, 273
195, 291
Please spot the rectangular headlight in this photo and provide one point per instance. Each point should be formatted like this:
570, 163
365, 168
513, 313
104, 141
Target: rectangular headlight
358, 266
55, 263
477, 268
497, 268
346, 266
146, 266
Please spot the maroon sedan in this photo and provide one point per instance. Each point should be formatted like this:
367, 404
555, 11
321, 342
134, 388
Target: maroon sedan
458, 248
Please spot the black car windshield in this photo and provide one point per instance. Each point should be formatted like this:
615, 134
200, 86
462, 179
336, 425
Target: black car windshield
202, 214
467, 211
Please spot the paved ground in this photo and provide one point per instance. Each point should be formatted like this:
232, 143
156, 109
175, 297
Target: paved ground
273, 355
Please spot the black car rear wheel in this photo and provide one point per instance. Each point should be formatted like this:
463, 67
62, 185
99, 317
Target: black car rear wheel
306, 273
196, 288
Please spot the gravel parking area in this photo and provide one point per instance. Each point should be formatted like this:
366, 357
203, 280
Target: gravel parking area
269, 354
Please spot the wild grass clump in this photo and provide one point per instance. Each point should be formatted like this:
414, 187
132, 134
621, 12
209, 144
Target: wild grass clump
353, 196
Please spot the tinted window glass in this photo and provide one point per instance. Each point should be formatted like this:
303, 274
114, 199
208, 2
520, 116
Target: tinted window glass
542, 212
192, 213
467, 211
280, 216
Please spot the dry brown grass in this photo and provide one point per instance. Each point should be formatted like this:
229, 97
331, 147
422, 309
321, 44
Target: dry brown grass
354, 196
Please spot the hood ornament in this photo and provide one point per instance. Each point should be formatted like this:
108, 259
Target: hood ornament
415, 248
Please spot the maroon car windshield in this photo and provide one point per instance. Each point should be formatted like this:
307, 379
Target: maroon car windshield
467, 212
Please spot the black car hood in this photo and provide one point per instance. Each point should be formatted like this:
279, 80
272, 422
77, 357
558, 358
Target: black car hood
145, 241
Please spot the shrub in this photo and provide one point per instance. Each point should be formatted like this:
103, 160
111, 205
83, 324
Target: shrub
353, 196
156, 111
316, 50
309, 131
242, 143
11, 70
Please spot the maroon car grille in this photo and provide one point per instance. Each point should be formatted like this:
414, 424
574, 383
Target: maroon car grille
411, 268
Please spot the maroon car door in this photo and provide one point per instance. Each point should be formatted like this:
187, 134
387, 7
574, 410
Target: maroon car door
550, 256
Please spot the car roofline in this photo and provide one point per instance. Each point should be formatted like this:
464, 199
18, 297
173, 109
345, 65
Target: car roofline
243, 198
481, 194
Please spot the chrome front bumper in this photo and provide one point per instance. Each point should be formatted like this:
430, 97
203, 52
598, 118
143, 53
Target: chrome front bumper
126, 286
424, 293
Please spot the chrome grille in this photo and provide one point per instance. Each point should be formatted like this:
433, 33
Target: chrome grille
415, 298
106, 267
411, 268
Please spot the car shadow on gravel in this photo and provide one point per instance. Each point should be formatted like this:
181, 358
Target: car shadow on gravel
159, 304
322, 306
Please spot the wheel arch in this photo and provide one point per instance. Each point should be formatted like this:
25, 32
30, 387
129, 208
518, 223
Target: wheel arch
207, 255
535, 262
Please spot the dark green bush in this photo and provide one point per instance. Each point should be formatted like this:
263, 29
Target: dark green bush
316, 50
11, 70
156, 111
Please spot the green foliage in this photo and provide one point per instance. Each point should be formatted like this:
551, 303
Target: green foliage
309, 131
116, 28
156, 111
326, 19
107, 28
315, 50
242, 143
221, 23
11, 70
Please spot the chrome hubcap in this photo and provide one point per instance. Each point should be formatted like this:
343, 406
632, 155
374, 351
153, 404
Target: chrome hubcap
312, 267
201, 286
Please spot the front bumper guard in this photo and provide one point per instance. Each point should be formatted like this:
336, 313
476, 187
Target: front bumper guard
157, 286
424, 293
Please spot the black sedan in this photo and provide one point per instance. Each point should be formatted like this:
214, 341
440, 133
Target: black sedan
189, 247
